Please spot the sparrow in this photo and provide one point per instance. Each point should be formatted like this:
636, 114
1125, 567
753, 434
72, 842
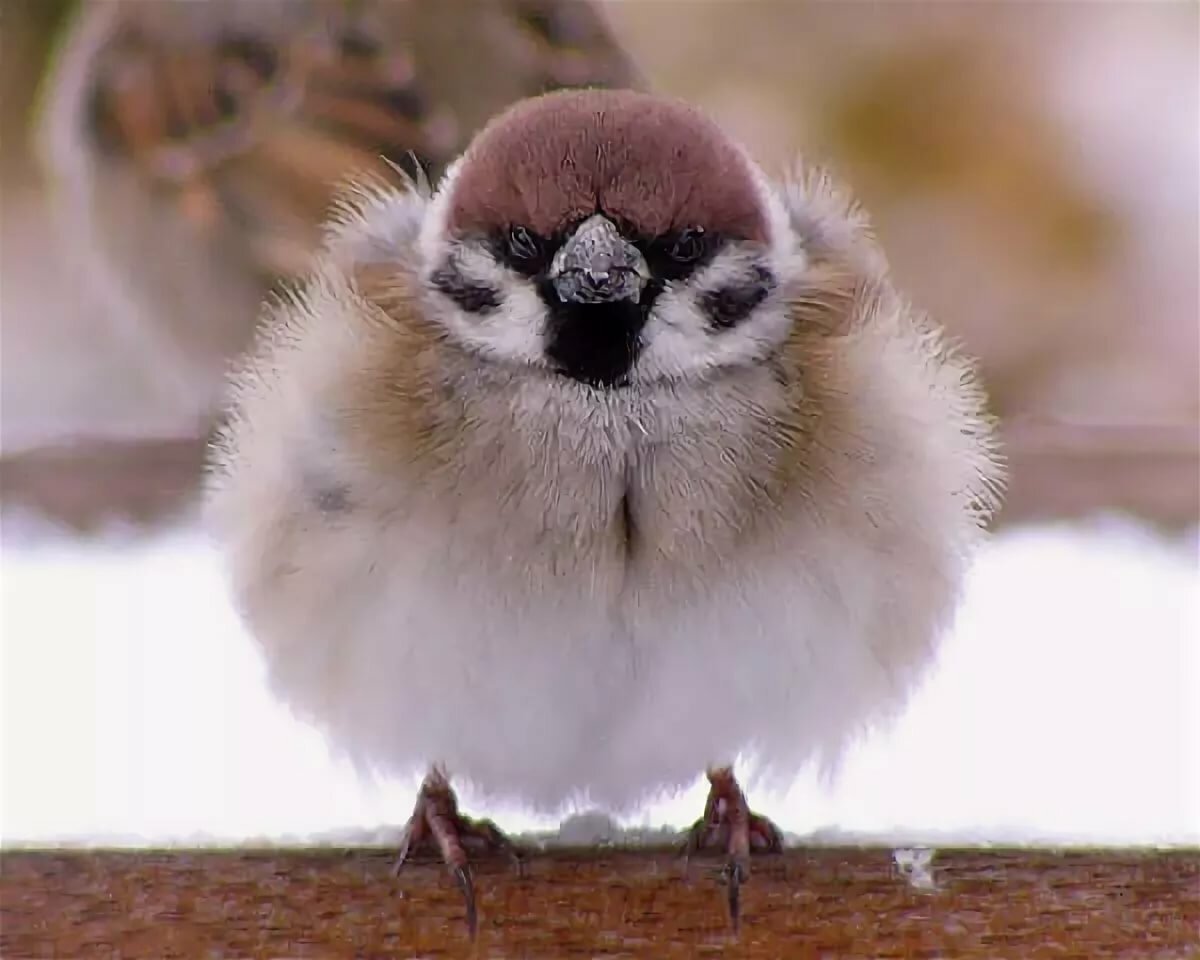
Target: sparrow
605, 462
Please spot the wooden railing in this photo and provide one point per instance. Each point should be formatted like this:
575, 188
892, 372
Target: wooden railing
842, 903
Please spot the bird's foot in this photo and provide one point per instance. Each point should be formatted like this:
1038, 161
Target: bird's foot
729, 823
436, 821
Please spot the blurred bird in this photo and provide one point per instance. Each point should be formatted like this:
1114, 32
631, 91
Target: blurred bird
606, 462
194, 149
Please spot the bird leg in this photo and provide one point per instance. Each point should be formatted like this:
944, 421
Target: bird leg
436, 821
729, 822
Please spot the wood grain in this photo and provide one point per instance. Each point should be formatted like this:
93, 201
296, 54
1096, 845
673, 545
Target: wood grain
809, 903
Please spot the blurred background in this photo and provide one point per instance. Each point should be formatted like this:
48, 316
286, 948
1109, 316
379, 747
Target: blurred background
1032, 170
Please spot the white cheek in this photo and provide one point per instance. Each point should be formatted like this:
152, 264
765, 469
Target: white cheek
679, 337
675, 338
517, 329
755, 337
514, 330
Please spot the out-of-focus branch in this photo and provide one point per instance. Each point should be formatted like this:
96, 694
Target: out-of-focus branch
1065, 470
86, 486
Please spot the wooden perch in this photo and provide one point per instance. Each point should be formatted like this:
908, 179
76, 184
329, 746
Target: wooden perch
840, 903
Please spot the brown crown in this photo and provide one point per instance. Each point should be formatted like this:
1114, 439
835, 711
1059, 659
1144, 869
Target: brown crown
654, 164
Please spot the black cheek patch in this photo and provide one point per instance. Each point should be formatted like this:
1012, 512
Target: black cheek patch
470, 296
730, 305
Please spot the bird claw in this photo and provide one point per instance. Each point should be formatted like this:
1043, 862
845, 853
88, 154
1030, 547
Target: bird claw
435, 820
729, 823
462, 876
734, 874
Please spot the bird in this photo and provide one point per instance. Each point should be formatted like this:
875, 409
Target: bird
601, 463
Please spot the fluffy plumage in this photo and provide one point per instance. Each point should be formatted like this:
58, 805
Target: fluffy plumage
452, 551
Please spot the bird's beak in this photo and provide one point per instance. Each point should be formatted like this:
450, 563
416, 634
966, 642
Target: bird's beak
597, 265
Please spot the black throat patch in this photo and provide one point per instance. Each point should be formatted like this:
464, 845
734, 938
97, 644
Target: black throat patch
595, 343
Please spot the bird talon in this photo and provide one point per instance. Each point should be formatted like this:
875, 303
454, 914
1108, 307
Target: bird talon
734, 871
729, 823
734, 875
435, 820
462, 876
405, 848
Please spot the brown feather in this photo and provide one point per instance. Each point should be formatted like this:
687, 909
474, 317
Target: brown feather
651, 163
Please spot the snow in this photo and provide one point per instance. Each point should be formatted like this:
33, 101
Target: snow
916, 866
1065, 708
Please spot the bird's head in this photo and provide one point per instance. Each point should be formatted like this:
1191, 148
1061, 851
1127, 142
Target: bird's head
611, 237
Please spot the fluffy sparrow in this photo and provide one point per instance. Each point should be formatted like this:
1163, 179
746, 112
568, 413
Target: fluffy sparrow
606, 462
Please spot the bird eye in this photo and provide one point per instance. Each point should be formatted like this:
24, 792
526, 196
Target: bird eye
522, 244
689, 246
